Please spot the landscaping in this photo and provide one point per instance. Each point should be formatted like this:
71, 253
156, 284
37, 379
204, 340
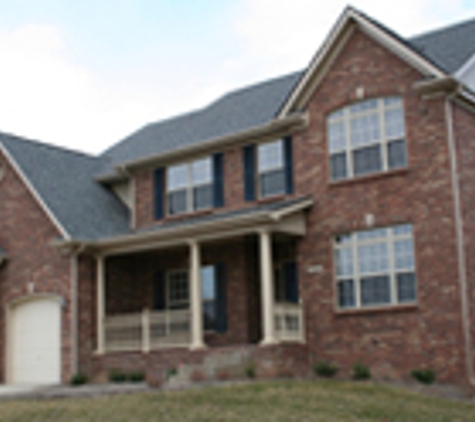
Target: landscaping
321, 401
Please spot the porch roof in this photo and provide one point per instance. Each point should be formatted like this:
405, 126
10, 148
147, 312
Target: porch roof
284, 216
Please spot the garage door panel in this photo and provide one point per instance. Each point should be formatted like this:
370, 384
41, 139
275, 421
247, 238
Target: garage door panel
35, 336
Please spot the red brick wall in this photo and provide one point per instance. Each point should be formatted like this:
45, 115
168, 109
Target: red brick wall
395, 341
26, 234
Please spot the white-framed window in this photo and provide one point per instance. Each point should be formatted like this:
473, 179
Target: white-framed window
178, 289
190, 186
271, 168
375, 267
367, 137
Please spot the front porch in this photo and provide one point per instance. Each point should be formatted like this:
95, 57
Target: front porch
162, 299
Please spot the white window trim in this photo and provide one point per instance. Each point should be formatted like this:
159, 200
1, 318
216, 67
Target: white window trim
392, 272
190, 186
383, 141
269, 170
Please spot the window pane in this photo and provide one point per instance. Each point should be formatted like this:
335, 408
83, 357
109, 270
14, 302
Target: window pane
375, 290
403, 230
392, 101
178, 293
372, 234
208, 287
177, 202
337, 136
346, 294
271, 156
272, 183
203, 197
373, 258
404, 255
365, 130
344, 262
406, 287
367, 160
177, 177
202, 171
394, 123
397, 154
338, 166
364, 106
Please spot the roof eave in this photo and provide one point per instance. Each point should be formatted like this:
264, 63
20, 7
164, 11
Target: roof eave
291, 122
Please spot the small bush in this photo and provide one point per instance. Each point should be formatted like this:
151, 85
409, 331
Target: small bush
361, 372
78, 379
116, 375
251, 370
425, 376
325, 369
136, 376
171, 372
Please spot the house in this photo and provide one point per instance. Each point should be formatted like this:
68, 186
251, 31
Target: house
327, 214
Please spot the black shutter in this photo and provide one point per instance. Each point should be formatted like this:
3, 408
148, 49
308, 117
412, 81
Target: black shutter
289, 177
249, 155
158, 191
291, 282
221, 305
218, 188
159, 291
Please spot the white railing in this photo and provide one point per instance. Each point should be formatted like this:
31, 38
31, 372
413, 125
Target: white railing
147, 330
288, 319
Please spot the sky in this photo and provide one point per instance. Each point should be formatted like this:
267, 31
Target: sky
86, 74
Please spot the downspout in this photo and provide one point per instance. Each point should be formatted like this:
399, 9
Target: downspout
462, 268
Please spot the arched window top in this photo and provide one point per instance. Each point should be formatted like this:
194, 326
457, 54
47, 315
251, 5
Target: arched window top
367, 137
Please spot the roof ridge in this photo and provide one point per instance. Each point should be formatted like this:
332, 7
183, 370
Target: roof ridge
441, 29
37, 143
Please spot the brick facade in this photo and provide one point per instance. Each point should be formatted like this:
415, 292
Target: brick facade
34, 266
391, 340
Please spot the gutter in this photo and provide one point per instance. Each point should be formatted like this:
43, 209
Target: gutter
462, 267
293, 121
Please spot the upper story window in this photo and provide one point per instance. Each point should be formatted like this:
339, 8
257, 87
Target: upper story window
367, 137
375, 267
190, 186
268, 169
271, 168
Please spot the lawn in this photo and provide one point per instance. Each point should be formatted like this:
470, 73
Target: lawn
261, 401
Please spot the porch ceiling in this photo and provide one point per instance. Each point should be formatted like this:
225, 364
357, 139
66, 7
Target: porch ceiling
280, 217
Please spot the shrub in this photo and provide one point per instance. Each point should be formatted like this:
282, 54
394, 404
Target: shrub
425, 376
361, 372
250, 370
116, 375
171, 372
78, 379
325, 369
136, 376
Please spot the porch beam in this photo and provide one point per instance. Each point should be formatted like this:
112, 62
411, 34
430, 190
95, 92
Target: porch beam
100, 279
197, 340
267, 286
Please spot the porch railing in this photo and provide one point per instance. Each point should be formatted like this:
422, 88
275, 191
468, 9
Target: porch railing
147, 330
288, 319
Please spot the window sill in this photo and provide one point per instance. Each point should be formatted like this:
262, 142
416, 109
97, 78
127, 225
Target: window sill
184, 216
271, 199
370, 177
377, 309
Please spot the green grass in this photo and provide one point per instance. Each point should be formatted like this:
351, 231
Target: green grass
320, 401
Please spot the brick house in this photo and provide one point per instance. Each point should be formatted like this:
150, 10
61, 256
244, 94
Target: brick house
321, 215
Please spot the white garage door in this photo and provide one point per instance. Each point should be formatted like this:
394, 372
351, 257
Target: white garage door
35, 349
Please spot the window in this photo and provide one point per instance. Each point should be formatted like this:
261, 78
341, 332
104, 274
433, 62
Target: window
190, 186
367, 137
375, 267
178, 295
286, 288
271, 168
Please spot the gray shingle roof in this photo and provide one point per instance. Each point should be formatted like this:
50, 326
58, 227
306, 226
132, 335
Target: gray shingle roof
237, 111
65, 181
450, 47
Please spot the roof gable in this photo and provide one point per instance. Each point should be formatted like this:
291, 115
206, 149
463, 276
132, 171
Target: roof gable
64, 182
333, 44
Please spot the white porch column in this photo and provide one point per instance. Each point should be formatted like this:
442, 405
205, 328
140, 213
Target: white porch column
100, 304
197, 341
267, 287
